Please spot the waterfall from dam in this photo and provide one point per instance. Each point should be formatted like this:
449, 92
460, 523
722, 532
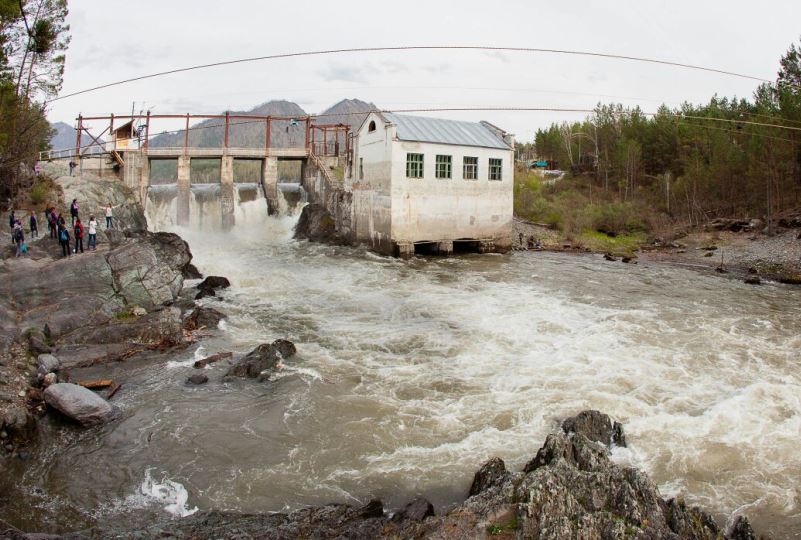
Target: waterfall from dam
250, 206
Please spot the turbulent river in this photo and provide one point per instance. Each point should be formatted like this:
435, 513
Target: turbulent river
410, 374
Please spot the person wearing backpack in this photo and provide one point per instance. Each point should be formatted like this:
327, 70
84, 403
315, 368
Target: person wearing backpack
78, 235
74, 211
34, 225
92, 233
64, 238
19, 237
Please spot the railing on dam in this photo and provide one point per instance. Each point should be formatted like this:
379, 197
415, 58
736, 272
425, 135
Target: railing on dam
282, 136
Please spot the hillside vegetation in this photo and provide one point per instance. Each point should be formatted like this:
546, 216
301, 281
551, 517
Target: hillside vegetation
635, 175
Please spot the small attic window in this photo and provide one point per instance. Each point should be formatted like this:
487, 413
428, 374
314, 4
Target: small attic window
371, 126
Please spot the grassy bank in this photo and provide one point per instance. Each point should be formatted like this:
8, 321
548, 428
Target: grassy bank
587, 216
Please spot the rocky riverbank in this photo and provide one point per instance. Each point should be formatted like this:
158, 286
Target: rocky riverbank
571, 488
90, 308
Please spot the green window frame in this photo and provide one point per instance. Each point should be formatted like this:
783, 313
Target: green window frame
470, 168
414, 165
443, 166
495, 169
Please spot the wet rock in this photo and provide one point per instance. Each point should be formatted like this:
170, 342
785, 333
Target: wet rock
203, 317
597, 427
609, 257
79, 404
191, 272
492, 473
373, 509
18, 423
708, 254
208, 286
265, 357
709, 248
417, 510
316, 224
741, 530
753, 280
47, 363
626, 259
197, 379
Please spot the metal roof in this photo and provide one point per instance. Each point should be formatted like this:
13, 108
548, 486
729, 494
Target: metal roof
438, 130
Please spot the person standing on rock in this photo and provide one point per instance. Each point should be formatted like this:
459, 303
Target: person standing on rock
34, 225
50, 217
110, 216
92, 233
74, 211
78, 235
12, 219
64, 237
18, 236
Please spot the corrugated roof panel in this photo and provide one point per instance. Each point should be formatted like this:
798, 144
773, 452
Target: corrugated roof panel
438, 130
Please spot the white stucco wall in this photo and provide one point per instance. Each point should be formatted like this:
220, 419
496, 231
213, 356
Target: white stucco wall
371, 206
436, 209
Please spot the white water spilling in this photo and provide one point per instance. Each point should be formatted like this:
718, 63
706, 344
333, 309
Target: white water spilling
411, 374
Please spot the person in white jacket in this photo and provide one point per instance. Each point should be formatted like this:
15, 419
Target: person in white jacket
110, 216
92, 233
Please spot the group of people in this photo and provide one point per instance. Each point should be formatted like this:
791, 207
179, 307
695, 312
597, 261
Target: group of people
58, 229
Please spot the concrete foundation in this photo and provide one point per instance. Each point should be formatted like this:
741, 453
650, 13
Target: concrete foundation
445, 248
184, 191
269, 179
227, 191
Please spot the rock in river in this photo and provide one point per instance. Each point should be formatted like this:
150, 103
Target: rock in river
79, 404
266, 356
207, 286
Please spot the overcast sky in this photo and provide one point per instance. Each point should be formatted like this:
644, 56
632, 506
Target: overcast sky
114, 40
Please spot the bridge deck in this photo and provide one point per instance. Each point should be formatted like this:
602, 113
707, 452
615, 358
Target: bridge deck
251, 153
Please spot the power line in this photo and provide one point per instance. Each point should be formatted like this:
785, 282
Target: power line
413, 48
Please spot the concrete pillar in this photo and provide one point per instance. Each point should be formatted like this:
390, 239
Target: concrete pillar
486, 246
184, 191
404, 250
227, 191
269, 179
144, 180
445, 248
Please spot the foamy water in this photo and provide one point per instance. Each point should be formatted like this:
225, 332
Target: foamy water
410, 374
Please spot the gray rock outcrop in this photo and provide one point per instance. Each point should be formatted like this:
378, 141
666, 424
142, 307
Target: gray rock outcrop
265, 357
316, 224
79, 404
574, 491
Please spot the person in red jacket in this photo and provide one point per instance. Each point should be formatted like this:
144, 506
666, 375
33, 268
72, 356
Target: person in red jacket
78, 235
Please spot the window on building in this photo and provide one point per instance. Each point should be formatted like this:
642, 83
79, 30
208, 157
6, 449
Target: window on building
414, 165
361, 168
470, 168
443, 166
495, 169
371, 126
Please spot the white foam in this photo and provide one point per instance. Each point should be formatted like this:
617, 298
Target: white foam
169, 493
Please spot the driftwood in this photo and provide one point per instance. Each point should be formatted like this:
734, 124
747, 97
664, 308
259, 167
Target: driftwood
213, 358
114, 389
93, 385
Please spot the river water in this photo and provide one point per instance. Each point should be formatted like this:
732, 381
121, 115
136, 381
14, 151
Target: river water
410, 374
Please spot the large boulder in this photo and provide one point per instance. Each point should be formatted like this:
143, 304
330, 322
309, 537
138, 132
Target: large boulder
79, 404
316, 224
203, 317
265, 357
208, 286
597, 427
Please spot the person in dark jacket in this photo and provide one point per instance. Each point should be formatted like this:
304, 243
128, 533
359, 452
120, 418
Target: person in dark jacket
78, 235
74, 211
18, 236
64, 237
34, 225
12, 219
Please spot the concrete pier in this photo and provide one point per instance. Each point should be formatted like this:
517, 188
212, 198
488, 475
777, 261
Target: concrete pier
227, 191
445, 248
269, 178
184, 191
